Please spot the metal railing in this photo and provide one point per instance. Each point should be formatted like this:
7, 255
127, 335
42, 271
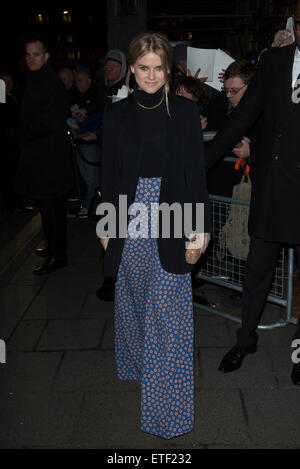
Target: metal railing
227, 270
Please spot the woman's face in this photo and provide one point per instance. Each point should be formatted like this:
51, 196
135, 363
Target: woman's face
149, 73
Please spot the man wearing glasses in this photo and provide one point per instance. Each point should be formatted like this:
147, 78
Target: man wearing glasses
275, 199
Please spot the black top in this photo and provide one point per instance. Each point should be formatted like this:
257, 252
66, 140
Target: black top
152, 127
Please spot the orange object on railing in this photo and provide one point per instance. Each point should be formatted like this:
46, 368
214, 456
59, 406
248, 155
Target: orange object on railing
241, 164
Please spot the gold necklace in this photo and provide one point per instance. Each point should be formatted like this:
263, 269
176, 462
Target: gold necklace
152, 107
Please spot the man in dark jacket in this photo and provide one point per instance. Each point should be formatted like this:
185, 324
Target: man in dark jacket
275, 181
45, 171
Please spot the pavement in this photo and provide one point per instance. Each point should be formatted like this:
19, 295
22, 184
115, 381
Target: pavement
59, 389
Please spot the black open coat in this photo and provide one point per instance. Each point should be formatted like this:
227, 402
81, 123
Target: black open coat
45, 167
275, 200
184, 179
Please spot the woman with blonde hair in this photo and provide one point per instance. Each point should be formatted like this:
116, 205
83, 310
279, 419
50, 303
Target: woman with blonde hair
153, 154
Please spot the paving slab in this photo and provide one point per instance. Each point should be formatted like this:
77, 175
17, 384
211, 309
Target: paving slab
63, 282
59, 306
108, 341
26, 336
35, 419
28, 372
14, 301
73, 334
25, 275
274, 417
112, 422
91, 371
93, 307
211, 331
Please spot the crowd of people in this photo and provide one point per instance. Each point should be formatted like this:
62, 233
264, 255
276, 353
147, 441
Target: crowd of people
138, 130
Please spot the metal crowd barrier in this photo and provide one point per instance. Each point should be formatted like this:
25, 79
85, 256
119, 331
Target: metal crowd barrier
223, 269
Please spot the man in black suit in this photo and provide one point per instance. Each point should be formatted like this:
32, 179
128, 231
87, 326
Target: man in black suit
45, 171
275, 196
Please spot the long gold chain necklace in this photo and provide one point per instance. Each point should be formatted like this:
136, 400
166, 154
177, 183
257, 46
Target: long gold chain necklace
152, 107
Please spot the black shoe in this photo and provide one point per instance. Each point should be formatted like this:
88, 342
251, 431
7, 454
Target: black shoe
296, 374
234, 358
107, 290
51, 265
42, 252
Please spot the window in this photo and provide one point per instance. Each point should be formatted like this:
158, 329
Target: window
126, 7
38, 18
67, 17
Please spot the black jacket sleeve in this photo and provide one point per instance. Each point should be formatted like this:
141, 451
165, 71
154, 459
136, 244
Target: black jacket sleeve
109, 156
195, 168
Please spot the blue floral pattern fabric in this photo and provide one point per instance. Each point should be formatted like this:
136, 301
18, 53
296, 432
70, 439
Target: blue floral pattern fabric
154, 328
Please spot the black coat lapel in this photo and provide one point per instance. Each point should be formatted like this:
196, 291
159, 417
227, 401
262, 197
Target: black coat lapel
287, 76
173, 130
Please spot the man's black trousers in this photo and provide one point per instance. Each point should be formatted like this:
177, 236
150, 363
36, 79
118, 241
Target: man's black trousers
260, 268
54, 221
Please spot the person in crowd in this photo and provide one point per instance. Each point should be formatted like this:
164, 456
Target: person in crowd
45, 171
275, 181
192, 88
237, 78
88, 150
115, 68
67, 76
155, 157
224, 176
180, 70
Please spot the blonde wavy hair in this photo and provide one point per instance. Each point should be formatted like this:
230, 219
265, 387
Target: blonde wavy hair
158, 43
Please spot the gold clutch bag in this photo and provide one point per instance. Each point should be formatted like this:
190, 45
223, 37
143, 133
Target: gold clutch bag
193, 251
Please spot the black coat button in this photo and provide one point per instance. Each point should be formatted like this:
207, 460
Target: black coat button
298, 166
279, 135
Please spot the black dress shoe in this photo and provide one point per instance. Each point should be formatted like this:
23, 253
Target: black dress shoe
234, 358
296, 374
51, 265
42, 252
